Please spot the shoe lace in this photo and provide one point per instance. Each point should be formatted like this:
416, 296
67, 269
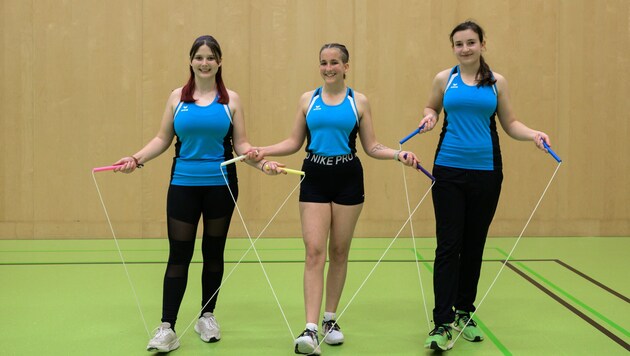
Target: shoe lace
161, 332
209, 322
331, 324
464, 319
310, 333
441, 330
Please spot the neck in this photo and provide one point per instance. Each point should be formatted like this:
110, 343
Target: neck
335, 88
469, 69
205, 86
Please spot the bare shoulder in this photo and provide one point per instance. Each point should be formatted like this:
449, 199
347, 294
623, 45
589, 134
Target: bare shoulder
175, 97
305, 99
501, 81
360, 98
233, 95
442, 77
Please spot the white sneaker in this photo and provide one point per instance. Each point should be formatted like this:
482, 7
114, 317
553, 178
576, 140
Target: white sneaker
164, 340
307, 343
332, 333
208, 328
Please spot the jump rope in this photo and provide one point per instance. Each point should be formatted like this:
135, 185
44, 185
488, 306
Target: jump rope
507, 259
252, 242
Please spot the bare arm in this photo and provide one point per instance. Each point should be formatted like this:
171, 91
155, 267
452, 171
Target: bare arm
431, 112
511, 125
240, 141
298, 134
370, 145
160, 143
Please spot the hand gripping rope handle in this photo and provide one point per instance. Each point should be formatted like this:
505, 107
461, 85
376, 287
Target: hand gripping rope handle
415, 132
240, 158
105, 168
551, 152
509, 256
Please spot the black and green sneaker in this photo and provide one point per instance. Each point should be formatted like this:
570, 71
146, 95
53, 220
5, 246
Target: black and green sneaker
470, 330
439, 338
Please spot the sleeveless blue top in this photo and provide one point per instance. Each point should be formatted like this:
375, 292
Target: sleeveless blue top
204, 140
469, 138
331, 130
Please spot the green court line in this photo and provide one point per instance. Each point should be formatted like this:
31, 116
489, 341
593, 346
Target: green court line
482, 326
568, 296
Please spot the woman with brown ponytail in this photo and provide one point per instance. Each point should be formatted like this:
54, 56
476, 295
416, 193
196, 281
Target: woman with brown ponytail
468, 173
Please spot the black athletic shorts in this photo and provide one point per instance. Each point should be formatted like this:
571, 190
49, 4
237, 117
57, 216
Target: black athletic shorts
188, 203
337, 179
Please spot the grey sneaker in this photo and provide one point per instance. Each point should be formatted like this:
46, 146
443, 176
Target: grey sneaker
332, 333
208, 328
307, 343
164, 339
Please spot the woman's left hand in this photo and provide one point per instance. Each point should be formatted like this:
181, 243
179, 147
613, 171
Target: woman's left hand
539, 136
408, 158
272, 168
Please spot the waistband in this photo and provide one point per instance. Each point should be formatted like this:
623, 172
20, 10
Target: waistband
329, 160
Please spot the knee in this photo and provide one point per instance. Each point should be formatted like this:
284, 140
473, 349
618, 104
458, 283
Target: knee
315, 257
338, 254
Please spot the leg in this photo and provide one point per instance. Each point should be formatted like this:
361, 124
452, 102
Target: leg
449, 206
183, 213
217, 215
482, 201
344, 220
316, 219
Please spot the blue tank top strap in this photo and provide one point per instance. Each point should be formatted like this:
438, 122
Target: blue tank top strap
314, 97
179, 106
353, 104
454, 74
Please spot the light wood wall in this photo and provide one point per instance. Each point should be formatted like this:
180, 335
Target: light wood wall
84, 83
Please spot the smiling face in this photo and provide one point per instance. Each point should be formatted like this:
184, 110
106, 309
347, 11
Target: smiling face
204, 63
467, 46
331, 65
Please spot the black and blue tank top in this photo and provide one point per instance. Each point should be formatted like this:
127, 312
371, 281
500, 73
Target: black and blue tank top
469, 136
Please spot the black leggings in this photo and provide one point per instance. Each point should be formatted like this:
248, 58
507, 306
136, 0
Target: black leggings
185, 205
464, 202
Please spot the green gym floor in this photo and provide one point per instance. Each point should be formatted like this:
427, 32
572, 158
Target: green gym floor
556, 296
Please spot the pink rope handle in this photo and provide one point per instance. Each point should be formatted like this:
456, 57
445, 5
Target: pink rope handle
106, 168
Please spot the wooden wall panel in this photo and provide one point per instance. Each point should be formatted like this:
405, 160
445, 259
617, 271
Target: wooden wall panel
85, 83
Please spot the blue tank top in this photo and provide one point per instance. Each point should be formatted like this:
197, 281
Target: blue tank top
331, 130
204, 140
469, 136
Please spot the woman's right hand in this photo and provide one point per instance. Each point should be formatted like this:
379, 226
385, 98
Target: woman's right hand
127, 165
429, 121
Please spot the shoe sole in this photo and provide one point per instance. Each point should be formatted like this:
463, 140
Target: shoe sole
168, 348
435, 346
475, 339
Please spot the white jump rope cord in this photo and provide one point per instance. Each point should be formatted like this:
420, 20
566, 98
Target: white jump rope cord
378, 262
415, 250
252, 246
508, 257
121, 255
